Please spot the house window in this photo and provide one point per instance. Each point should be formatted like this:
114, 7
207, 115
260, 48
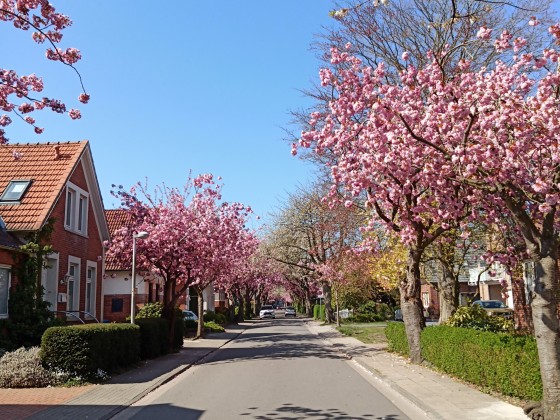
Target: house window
117, 305
73, 285
4, 291
426, 299
90, 288
15, 190
76, 209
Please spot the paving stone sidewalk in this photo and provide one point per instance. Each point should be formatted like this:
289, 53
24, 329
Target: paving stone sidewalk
437, 396
106, 400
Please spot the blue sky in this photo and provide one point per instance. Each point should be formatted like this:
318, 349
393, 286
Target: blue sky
194, 85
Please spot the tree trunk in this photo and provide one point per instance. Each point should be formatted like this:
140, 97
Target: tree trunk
411, 305
308, 304
247, 298
327, 292
545, 321
258, 303
200, 326
168, 311
448, 293
337, 309
241, 310
522, 309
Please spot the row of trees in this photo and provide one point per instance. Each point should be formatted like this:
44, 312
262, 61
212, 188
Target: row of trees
440, 115
195, 240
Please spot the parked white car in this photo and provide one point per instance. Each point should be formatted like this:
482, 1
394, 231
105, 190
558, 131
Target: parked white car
267, 311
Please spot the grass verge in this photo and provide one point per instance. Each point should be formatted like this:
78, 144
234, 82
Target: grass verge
370, 333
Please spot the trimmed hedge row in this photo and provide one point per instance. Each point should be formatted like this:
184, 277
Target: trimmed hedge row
504, 363
396, 337
153, 337
319, 312
84, 350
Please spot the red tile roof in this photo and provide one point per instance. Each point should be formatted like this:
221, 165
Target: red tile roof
116, 219
49, 166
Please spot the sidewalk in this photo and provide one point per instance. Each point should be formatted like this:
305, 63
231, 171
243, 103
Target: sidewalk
434, 394
104, 401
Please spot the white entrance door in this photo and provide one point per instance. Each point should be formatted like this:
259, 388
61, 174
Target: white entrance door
50, 283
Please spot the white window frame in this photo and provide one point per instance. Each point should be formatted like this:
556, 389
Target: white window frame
426, 299
9, 270
76, 211
75, 298
92, 283
53, 256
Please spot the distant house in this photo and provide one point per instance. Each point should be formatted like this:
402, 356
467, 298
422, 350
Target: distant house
118, 278
54, 183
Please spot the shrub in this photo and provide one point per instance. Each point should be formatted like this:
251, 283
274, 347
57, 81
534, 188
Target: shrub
502, 362
179, 331
366, 317
213, 327
396, 337
153, 337
150, 310
89, 350
22, 368
220, 319
209, 316
385, 311
477, 318
319, 312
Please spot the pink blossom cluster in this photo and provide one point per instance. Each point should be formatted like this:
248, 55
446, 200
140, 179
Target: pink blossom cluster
16, 91
433, 151
194, 238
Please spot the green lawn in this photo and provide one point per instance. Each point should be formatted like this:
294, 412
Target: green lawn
370, 333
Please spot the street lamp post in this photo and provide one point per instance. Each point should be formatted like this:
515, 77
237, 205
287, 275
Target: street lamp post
139, 235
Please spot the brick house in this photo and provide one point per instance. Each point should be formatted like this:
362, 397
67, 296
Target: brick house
149, 288
118, 278
54, 183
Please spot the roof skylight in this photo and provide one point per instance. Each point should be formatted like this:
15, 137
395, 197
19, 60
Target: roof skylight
15, 190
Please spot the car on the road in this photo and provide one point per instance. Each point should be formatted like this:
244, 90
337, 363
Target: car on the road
290, 311
190, 316
267, 311
495, 307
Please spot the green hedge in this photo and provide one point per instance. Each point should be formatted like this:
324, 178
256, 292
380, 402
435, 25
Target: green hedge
396, 337
367, 317
179, 332
504, 363
153, 337
319, 312
84, 350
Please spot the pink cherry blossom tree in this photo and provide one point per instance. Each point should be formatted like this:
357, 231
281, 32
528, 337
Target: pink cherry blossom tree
16, 91
250, 279
362, 147
432, 151
225, 243
176, 222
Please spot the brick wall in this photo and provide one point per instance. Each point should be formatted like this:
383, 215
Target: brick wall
118, 311
83, 247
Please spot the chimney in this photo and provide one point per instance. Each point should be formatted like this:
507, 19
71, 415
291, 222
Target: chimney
56, 151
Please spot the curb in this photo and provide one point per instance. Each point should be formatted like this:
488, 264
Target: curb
383, 380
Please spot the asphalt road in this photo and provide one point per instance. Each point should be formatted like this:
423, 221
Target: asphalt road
275, 370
